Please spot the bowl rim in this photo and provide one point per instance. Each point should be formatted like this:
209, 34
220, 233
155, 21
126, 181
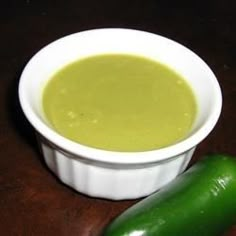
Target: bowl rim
119, 157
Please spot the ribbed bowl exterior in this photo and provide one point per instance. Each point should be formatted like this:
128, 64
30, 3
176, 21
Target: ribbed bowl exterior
114, 182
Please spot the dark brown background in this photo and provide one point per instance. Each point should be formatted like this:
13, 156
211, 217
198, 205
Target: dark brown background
32, 201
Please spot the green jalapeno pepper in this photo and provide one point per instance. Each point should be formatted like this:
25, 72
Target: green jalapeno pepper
199, 202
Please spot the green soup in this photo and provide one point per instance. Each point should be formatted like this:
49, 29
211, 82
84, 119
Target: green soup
119, 102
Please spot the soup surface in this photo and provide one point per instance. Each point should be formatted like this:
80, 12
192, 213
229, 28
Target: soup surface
119, 102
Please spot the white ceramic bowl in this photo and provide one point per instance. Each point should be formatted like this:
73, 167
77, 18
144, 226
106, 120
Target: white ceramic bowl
109, 174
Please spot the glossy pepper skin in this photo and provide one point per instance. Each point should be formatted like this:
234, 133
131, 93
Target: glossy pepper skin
200, 202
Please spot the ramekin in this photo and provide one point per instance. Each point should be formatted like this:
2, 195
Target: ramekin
109, 174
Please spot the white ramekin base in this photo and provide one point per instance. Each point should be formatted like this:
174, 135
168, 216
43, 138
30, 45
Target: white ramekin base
107, 181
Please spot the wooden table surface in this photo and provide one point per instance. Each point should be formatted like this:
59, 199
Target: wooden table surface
32, 200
